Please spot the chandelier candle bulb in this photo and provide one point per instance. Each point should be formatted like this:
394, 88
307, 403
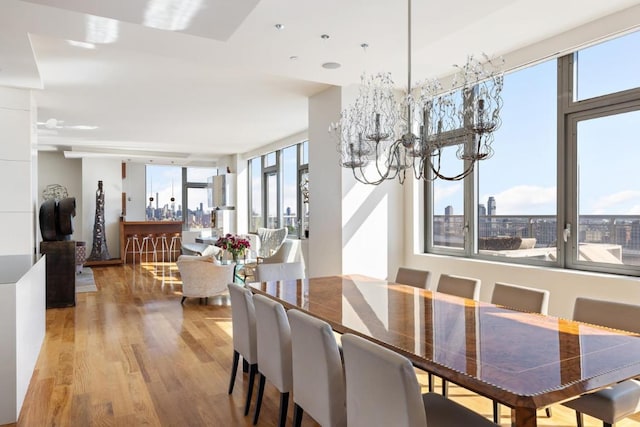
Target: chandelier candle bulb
449, 118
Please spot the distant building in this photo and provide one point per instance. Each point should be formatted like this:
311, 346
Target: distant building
448, 211
482, 210
491, 206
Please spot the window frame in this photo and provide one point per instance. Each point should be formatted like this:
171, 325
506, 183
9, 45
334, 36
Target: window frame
277, 170
569, 113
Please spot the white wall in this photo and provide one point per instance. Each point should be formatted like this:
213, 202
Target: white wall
54, 168
16, 172
325, 183
134, 185
22, 330
110, 173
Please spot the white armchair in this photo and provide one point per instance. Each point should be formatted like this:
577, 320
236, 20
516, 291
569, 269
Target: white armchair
270, 240
202, 277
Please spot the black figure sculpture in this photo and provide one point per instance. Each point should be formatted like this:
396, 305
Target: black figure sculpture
99, 251
56, 219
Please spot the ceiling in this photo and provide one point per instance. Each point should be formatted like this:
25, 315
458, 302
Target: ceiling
192, 80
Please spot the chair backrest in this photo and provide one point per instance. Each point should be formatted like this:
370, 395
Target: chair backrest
611, 314
270, 240
190, 236
289, 251
459, 286
279, 271
243, 320
382, 388
413, 277
274, 342
521, 298
318, 378
201, 277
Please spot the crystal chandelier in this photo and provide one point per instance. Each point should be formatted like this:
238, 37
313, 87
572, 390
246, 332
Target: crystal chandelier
381, 138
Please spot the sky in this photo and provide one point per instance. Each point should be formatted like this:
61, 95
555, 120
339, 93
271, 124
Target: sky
522, 173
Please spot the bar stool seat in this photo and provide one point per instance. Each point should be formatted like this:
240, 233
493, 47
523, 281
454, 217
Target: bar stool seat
134, 242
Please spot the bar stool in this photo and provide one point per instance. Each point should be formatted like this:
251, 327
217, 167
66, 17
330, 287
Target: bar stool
132, 239
148, 246
176, 239
162, 244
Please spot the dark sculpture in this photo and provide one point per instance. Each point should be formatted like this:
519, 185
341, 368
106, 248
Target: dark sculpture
56, 219
99, 251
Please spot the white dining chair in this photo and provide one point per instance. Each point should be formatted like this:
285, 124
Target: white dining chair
413, 277
621, 400
243, 321
382, 390
318, 377
520, 298
274, 352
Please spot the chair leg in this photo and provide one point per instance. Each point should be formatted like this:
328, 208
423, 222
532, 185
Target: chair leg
252, 376
430, 375
284, 405
445, 388
606, 424
182, 302
579, 420
297, 415
234, 369
245, 365
256, 415
548, 411
496, 412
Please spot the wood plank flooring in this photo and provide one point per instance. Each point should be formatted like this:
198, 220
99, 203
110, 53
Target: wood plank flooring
131, 355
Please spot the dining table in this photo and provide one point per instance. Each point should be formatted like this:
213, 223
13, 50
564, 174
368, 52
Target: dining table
522, 360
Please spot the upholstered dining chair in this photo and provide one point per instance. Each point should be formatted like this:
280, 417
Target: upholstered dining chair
413, 277
318, 377
279, 271
202, 277
621, 400
520, 298
274, 352
243, 321
382, 390
465, 287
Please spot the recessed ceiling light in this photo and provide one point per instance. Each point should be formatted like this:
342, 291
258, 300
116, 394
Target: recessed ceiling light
293, 57
279, 26
331, 65
324, 36
364, 45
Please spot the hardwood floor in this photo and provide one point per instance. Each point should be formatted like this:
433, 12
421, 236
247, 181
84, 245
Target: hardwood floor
131, 355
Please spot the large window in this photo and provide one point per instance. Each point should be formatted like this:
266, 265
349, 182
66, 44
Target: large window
170, 188
560, 188
278, 188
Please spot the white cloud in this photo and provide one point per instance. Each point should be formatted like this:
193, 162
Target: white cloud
525, 200
617, 203
446, 190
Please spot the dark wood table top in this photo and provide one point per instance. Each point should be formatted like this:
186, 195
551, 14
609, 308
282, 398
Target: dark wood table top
522, 360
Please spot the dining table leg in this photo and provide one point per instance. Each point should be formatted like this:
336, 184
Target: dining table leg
523, 417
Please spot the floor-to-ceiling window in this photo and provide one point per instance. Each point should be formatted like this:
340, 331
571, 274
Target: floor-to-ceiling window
560, 189
278, 189
170, 189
